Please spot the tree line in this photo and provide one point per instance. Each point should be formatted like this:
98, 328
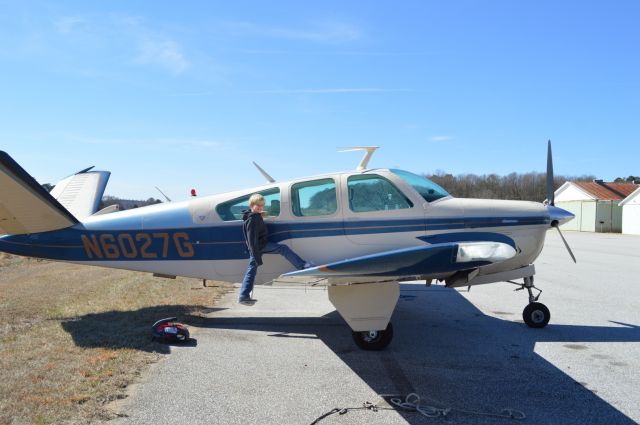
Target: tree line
630, 179
126, 204
526, 187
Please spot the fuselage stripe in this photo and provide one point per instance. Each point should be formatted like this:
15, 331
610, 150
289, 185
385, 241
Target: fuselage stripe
183, 243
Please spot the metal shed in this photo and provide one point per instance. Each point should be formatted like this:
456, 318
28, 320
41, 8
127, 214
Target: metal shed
631, 213
595, 204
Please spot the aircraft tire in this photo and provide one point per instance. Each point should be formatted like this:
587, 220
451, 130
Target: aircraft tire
379, 342
536, 315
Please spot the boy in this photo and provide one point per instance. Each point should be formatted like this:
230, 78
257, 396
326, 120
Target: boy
255, 236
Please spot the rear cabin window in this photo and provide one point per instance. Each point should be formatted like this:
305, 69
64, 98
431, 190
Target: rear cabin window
371, 192
232, 210
314, 198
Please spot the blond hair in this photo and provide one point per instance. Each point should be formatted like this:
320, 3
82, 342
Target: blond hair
256, 198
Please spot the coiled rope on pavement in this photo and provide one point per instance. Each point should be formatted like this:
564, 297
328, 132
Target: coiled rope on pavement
411, 403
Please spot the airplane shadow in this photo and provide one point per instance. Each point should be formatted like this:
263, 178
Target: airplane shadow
127, 329
444, 349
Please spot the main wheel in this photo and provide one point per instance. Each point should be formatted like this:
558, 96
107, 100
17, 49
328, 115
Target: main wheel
374, 340
536, 315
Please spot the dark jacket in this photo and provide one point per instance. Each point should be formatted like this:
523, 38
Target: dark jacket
255, 234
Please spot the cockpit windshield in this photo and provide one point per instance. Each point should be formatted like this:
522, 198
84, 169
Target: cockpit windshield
425, 187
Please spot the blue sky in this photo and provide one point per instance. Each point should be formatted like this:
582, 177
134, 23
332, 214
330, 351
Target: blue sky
187, 94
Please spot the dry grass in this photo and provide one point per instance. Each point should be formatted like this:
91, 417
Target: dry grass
72, 338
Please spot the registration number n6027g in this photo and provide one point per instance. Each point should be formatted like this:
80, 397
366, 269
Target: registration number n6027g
137, 245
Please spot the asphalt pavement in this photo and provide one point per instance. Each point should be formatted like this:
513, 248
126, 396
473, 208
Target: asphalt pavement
290, 358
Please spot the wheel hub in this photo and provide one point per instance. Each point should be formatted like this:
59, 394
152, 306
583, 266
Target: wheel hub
373, 340
537, 316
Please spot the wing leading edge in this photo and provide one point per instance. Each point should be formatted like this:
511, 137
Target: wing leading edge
415, 261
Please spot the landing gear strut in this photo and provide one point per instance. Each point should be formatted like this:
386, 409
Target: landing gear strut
535, 315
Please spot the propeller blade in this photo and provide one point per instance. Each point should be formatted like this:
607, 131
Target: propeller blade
550, 191
566, 244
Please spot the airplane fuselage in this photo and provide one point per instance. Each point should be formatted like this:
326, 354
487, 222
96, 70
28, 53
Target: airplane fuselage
202, 237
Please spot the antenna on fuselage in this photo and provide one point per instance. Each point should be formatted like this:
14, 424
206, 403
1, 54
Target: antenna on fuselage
365, 159
166, 197
264, 173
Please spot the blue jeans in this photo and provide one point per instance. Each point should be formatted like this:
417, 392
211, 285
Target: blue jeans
252, 269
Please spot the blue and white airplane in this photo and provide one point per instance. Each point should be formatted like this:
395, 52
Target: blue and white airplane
369, 229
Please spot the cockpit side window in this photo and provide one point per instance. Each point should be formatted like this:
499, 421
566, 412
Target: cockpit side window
425, 187
232, 210
371, 192
314, 198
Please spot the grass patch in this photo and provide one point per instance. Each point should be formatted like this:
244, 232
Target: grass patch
72, 338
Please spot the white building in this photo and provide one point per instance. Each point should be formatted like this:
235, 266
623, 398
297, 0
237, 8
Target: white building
595, 204
631, 213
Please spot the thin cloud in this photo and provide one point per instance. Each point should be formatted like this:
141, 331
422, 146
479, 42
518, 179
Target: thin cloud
68, 24
441, 139
154, 48
98, 141
329, 91
146, 46
164, 53
333, 31
334, 52
199, 143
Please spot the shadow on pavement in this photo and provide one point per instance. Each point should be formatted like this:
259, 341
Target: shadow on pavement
444, 349
452, 355
127, 329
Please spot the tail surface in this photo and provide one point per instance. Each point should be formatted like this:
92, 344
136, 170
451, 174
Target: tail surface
82, 192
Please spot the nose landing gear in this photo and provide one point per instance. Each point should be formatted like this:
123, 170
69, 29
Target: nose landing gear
535, 314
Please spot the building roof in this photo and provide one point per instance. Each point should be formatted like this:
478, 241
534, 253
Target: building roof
630, 198
605, 191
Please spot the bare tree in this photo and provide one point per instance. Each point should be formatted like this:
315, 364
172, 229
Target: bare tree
527, 187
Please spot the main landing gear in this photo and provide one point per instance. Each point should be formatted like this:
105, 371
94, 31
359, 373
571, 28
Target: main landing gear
535, 314
373, 340
367, 309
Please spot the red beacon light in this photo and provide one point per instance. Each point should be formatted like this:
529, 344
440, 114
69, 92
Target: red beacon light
193, 192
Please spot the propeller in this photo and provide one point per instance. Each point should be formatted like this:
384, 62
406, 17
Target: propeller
551, 200
573, 257
550, 191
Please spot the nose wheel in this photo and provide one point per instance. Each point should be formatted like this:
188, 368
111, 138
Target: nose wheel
535, 314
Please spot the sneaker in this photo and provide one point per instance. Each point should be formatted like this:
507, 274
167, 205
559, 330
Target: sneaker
248, 301
309, 264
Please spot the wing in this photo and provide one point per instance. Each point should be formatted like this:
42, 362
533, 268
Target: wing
422, 260
25, 207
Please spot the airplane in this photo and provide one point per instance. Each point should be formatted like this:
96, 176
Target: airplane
368, 229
